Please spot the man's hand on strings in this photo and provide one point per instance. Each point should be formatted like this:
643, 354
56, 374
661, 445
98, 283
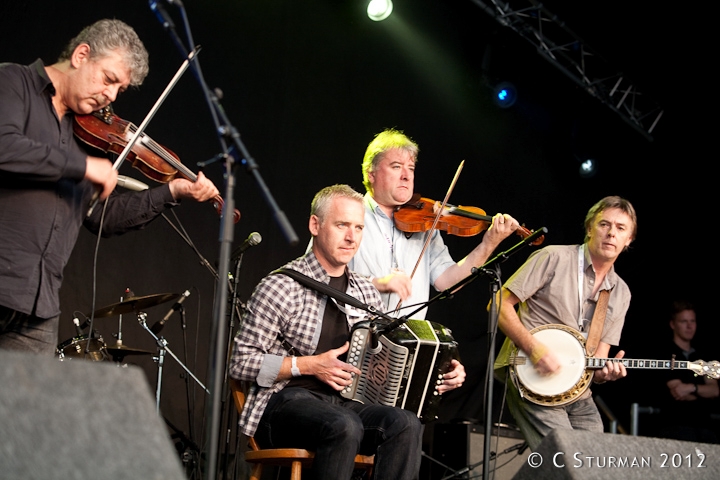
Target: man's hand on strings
545, 361
611, 371
502, 226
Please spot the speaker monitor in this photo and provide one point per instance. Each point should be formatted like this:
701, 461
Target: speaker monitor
461, 447
81, 420
576, 454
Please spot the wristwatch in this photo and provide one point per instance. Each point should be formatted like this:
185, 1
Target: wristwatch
294, 370
696, 388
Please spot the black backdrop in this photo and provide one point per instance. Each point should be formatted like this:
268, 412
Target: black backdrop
308, 84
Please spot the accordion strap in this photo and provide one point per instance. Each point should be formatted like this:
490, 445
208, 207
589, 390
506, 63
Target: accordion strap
312, 284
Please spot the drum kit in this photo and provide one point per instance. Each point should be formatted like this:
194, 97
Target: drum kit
92, 347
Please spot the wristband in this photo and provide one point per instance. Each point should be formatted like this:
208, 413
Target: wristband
537, 353
696, 388
294, 370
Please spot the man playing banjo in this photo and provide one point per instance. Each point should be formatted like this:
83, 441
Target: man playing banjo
562, 284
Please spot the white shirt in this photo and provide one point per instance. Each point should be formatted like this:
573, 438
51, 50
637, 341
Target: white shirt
384, 248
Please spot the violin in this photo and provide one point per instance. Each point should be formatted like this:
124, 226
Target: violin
107, 132
418, 215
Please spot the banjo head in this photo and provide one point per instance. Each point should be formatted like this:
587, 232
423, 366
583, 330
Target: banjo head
569, 382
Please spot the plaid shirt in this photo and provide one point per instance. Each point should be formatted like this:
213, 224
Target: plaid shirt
279, 304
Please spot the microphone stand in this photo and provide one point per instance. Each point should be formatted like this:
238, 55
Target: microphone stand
228, 409
238, 306
492, 327
475, 272
337, 294
183, 234
188, 397
449, 292
162, 345
493, 456
225, 130
223, 126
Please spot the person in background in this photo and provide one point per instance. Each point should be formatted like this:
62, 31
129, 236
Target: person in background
687, 400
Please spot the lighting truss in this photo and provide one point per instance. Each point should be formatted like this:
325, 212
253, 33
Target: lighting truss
562, 48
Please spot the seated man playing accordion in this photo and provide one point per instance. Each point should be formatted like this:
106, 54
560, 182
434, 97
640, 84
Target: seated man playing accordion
291, 347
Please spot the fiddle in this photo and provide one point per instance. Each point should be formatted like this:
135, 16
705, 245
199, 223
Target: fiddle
418, 215
107, 132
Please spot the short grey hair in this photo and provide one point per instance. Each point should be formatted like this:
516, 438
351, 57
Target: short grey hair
612, 201
106, 35
324, 197
389, 139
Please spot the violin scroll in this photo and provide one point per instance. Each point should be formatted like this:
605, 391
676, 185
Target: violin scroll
525, 233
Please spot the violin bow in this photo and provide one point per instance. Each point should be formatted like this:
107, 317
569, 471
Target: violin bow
435, 222
141, 128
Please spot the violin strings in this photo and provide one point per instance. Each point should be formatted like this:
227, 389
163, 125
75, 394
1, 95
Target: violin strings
160, 151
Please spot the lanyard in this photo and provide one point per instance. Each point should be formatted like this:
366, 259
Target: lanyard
350, 311
581, 284
390, 240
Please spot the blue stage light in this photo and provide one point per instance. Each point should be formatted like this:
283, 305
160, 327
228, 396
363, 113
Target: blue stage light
505, 95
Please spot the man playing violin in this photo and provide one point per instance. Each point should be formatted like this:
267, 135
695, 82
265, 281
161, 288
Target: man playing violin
388, 255
47, 179
561, 284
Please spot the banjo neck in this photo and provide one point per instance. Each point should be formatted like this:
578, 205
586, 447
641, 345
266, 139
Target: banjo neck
643, 364
700, 367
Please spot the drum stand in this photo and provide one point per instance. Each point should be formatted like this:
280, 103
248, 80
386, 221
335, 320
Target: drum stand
163, 349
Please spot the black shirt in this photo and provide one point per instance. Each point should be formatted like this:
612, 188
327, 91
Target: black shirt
43, 197
334, 334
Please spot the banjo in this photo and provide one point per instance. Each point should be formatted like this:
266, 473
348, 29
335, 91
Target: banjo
576, 372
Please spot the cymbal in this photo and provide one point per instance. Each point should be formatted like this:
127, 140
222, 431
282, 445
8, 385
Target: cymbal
134, 304
119, 351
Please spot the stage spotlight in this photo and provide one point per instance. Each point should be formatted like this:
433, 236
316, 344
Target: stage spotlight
588, 168
379, 10
505, 95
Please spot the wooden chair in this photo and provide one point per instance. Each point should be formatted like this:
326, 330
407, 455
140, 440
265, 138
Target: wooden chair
295, 458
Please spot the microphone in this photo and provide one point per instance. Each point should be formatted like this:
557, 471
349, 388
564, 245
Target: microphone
375, 345
161, 323
93, 202
78, 329
252, 240
131, 184
161, 14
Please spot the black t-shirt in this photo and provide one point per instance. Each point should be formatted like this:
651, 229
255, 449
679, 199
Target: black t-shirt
334, 334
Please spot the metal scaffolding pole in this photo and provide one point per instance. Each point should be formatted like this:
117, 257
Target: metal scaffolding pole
571, 55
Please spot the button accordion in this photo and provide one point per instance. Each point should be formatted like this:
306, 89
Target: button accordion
407, 370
